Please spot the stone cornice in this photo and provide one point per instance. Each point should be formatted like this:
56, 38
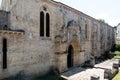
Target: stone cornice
11, 32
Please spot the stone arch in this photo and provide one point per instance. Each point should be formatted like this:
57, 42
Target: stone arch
45, 8
76, 54
42, 24
47, 19
47, 25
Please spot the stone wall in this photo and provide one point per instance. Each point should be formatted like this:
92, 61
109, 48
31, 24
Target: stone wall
68, 27
4, 19
117, 41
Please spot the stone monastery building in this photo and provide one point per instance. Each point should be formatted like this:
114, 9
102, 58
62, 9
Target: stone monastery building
39, 35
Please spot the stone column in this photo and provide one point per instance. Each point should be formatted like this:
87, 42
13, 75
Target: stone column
61, 61
92, 61
119, 63
77, 58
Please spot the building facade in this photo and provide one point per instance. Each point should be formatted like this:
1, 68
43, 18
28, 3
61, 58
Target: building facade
39, 35
117, 40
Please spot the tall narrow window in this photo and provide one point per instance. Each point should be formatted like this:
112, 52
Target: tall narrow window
86, 31
4, 53
47, 25
41, 24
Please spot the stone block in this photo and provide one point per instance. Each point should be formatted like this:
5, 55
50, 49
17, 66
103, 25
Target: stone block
119, 63
95, 77
116, 66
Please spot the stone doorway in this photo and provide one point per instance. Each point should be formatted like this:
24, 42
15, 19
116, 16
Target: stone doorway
70, 57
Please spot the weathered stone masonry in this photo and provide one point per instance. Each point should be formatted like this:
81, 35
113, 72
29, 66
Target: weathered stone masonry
44, 34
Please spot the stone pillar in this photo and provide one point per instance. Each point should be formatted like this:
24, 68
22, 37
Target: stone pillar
119, 63
115, 70
92, 61
82, 57
61, 61
115, 66
76, 58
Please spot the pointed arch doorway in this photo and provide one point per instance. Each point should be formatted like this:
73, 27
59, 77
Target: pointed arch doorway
70, 56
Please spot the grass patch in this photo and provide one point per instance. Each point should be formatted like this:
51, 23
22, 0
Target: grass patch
116, 51
117, 77
117, 54
117, 57
116, 48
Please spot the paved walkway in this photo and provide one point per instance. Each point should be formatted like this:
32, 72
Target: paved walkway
82, 74
85, 74
107, 64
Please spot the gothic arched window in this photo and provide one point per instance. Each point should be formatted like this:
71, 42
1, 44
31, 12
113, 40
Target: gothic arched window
47, 25
41, 24
86, 31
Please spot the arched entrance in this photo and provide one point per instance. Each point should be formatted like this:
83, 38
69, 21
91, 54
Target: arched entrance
70, 57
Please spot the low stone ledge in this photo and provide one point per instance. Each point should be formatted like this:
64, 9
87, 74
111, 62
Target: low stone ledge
115, 65
64, 77
95, 77
11, 32
119, 63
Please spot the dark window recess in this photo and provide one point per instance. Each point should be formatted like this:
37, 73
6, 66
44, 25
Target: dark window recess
47, 25
86, 30
4, 53
5, 27
41, 24
70, 57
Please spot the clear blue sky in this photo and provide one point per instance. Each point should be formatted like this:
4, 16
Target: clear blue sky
99, 9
